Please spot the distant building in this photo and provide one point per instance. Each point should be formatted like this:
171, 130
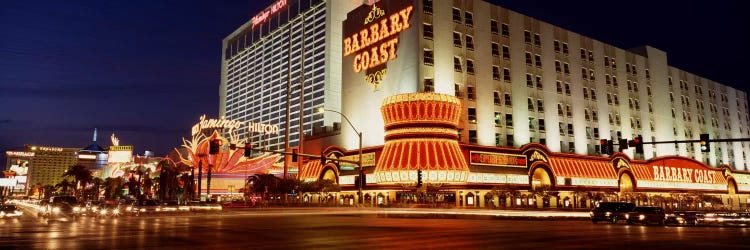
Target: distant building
46, 164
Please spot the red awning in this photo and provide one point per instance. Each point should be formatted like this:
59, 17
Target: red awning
311, 170
568, 167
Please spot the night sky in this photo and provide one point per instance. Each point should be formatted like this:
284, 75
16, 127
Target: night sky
146, 70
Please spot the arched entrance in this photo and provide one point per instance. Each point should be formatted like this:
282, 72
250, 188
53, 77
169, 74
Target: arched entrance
329, 174
626, 183
540, 178
731, 187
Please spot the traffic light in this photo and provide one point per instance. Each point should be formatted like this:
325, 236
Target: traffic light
232, 146
363, 178
705, 143
607, 146
356, 181
214, 146
248, 150
294, 155
419, 178
638, 144
623, 143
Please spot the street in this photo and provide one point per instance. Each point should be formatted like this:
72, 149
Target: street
346, 229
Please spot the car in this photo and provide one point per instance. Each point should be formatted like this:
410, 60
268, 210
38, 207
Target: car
8, 211
610, 211
689, 218
236, 204
142, 207
108, 210
646, 215
62, 207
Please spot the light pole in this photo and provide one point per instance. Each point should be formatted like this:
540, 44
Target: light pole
359, 160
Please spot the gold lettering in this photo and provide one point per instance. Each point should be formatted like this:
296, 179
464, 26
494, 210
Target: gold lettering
347, 46
405, 17
374, 35
395, 24
355, 43
357, 68
656, 173
392, 51
383, 52
364, 40
384, 29
374, 57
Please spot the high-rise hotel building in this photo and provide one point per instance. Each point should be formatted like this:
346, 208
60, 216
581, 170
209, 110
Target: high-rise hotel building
519, 79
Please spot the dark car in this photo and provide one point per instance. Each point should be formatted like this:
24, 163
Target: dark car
62, 207
610, 211
141, 207
646, 215
8, 211
689, 218
236, 204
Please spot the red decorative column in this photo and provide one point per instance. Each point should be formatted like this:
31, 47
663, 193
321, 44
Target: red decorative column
420, 133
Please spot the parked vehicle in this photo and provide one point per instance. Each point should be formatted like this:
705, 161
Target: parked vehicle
646, 215
610, 211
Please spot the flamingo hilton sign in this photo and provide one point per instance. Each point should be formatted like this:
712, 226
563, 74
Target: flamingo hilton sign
232, 125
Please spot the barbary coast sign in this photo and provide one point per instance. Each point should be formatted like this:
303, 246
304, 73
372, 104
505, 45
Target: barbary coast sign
673, 170
372, 38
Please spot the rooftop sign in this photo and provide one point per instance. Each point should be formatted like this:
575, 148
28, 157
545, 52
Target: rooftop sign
271, 10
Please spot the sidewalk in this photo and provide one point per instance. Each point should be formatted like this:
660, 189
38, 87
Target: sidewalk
420, 213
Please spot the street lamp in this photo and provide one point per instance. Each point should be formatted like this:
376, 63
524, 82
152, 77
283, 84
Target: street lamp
359, 161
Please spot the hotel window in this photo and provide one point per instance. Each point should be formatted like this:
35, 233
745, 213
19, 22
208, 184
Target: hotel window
570, 129
596, 133
509, 140
429, 85
527, 36
506, 52
495, 50
560, 110
539, 82
472, 136
470, 42
673, 114
528, 59
591, 74
607, 79
571, 146
630, 103
558, 67
559, 87
617, 100
470, 66
635, 86
565, 49
538, 59
508, 100
427, 6
609, 98
585, 93
531, 126
457, 39
509, 120
531, 104
671, 97
556, 45
529, 81
505, 29
537, 39
497, 119
567, 88
456, 15
583, 54
506, 74
457, 89
566, 68
594, 116
429, 57
493, 27
591, 56
470, 92
630, 85
650, 108
427, 31
593, 95
541, 125
472, 115
614, 81
568, 111
457, 64
586, 114
611, 121
497, 140
496, 96
606, 61
647, 74
562, 128
539, 105
495, 72
627, 69
584, 74
469, 19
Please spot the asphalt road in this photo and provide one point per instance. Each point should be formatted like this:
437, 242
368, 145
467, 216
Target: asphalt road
339, 229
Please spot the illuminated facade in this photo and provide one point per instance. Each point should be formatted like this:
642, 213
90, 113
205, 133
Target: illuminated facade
521, 80
47, 164
265, 54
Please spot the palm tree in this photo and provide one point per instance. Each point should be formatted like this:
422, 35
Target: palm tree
81, 174
64, 185
48, 190
111, 187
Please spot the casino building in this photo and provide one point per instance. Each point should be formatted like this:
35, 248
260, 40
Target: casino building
527, 105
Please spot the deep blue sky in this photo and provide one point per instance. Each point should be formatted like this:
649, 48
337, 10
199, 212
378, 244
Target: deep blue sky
146, 70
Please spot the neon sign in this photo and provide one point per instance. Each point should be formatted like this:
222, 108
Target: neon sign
215, 124
273, 9
665, 173
262, 128
374, 45
497, 159
19, 154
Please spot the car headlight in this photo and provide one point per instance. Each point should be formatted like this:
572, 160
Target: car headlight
129, 208
95, 209
76, 209
607, 213
103, 212
591, 214
115, 211
56, 210
158, 209
142, 210
627, 216
641, 217
2, 213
